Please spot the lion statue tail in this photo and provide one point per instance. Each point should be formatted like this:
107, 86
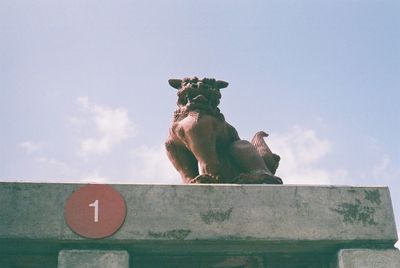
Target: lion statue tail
271, 160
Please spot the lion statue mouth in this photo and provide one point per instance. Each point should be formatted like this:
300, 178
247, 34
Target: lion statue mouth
198, 102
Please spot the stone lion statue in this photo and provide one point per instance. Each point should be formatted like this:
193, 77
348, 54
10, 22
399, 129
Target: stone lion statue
204, 148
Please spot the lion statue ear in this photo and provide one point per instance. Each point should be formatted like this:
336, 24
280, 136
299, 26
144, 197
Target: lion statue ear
175, 83
221, 84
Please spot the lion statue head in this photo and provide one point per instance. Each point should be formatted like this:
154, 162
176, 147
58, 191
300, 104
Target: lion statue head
194, 94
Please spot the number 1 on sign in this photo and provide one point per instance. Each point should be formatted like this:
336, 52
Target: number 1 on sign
95, 204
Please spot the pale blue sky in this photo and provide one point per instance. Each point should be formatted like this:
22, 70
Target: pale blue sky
85, 94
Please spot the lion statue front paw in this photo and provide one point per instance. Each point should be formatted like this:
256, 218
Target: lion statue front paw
246, 178
205, 178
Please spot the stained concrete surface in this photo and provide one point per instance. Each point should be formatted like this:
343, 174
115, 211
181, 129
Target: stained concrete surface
278, 226
210, 212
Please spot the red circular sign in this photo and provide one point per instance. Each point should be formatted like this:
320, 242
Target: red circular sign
95, 211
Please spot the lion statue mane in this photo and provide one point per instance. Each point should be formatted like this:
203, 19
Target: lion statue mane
204, 148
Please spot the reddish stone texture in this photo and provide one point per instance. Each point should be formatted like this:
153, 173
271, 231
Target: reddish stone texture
204, 148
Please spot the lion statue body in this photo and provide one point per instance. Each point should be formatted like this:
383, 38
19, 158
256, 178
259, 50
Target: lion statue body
204, 148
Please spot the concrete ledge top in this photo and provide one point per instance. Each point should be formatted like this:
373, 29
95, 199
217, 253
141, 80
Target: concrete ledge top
210, 212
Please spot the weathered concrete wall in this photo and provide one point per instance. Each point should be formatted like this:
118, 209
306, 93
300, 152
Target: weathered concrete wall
205, 225
269, 215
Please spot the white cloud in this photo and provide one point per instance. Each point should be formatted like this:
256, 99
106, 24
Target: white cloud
76, 121
381, 167
151, 165
301, 150
112, 127
31, 146
51, 169
54, 170
83, 101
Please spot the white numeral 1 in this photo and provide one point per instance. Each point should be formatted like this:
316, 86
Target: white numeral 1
95, 204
